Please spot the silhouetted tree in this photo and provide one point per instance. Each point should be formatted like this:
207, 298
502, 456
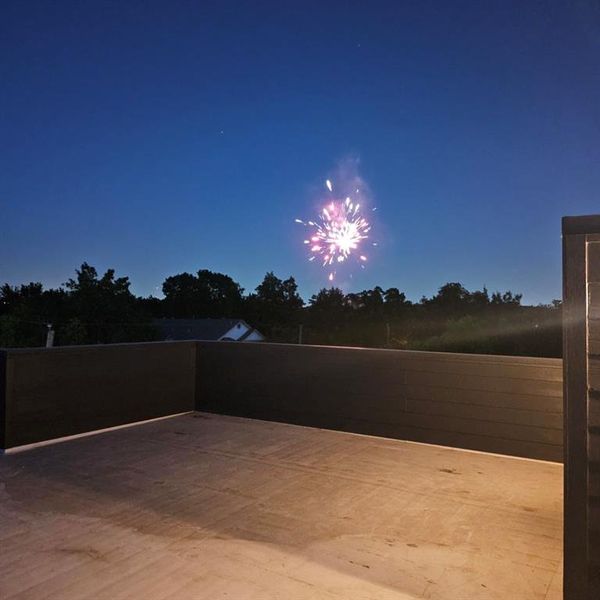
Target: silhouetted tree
395, 299
506, 299
88, 309
275, 308
155, 307
480, 298
25, 312
275, 292
92, 308
372, 302
206, 294
181, 296
221, 294
104, 308
328, 300
12, 298
452, 298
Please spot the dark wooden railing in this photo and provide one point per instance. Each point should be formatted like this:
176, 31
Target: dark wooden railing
509, 405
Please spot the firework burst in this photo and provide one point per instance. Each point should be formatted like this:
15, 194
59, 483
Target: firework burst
339, 233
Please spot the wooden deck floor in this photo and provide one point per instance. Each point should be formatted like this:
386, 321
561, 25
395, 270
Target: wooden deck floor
206, 507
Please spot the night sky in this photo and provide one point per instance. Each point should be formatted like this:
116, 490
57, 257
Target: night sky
161, 137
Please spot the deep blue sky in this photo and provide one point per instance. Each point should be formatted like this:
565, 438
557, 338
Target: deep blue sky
159, 137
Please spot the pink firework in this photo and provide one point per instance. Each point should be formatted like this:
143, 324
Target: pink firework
338, 235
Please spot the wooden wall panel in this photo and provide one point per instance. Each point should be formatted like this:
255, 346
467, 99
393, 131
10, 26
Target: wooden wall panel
2, 399
57, 392
511, 405
581, 318
593, 420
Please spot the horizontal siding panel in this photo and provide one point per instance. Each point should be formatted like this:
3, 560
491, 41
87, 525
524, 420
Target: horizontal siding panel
64, 391
594, 409
474, 442
594, 371
594, 306
488, 398
483, 384
362, 405
488, 413
593, 262
445, 438
594, 345
525, 425
477, 427
593, 325
400, 419
594, 479
594, 549
473, 359
594, 445
463, 399
484, 369
594, 515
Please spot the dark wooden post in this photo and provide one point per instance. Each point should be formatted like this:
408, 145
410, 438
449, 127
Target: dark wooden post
2, 400
581, 363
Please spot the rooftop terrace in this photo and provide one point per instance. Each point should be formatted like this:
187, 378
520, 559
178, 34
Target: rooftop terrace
208, 506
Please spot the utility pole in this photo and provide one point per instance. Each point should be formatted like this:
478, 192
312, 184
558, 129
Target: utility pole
300, 333
49, 336
387, 334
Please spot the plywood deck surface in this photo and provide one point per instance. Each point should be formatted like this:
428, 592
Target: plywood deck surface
209, 507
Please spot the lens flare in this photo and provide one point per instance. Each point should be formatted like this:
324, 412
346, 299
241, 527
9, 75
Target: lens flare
338, 234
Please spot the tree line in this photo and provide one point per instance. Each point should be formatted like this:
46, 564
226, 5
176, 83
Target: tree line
92, 308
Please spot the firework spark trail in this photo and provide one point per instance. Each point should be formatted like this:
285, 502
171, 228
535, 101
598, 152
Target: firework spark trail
338, 234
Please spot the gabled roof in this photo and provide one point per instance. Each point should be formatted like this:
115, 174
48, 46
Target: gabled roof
248, 333
201, 329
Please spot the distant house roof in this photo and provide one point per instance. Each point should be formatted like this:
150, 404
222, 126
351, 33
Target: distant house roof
207, 329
